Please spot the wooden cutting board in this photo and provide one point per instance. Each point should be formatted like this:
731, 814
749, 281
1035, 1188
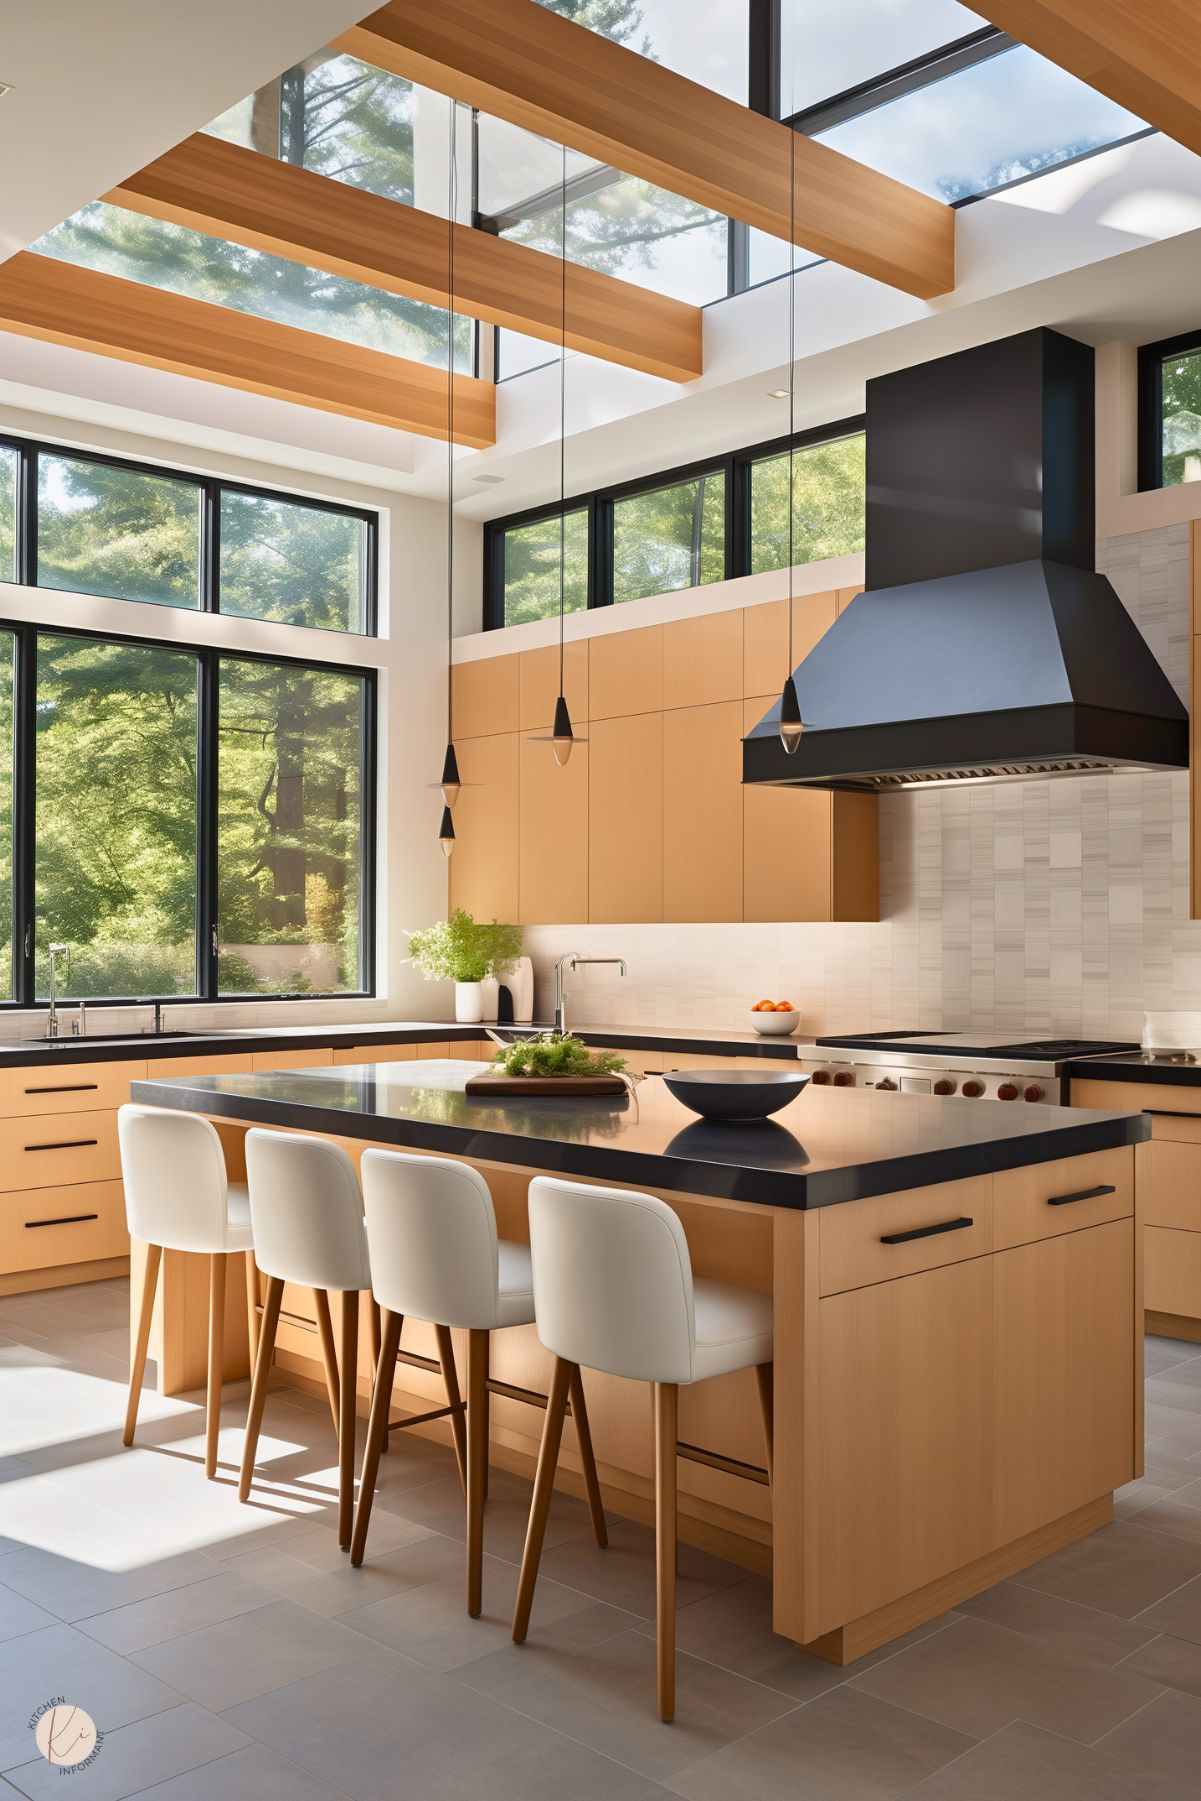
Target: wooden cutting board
516, 1086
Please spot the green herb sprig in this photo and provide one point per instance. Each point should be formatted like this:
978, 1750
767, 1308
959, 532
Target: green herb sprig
560, 1054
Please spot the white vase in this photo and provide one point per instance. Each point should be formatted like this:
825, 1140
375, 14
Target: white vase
469, 1003
490, 997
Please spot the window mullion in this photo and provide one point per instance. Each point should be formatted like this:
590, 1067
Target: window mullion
24, 772
206, 826
210, 546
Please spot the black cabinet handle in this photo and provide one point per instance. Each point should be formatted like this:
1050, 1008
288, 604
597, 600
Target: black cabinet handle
946, 1225
66, 1088
66, 1144
71, 1219
1083, 1194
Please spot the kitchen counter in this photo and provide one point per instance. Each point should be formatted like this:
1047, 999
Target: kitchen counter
827, 1146
1127, 1066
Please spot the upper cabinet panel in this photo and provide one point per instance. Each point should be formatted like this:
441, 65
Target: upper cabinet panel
539, 686
702, 660
484, 697
483, 869
625, 673
765, 637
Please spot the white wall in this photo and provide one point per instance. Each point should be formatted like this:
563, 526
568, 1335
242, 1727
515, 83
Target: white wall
409, 656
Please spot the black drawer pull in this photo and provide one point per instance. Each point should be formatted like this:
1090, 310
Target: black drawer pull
66, 1088
71, 1219
1083, 1194
946, 1225
66, 1144
1169, 1113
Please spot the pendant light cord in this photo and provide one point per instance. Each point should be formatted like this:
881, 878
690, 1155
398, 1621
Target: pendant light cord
452, 208
563, 424
791, 373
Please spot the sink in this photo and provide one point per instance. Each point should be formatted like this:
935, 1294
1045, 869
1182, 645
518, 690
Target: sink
68, 1039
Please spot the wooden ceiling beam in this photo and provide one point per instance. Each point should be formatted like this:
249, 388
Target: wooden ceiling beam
530, 66
65, 304
234, 193
1146, 57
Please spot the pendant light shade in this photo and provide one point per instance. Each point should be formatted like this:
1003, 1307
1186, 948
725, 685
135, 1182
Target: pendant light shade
791, 723
450, 783
562, 737
446, 833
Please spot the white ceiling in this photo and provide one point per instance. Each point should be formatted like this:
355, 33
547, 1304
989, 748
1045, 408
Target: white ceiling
100, 87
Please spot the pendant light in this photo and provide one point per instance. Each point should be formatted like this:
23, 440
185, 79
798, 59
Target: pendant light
450, 783
791, 723
562, 737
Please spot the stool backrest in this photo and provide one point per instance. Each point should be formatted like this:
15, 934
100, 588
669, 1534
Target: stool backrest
306, 1211
175, 1183
612, 1280
432, 1231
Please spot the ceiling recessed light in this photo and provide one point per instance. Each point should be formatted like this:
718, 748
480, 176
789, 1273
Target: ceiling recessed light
488, 481
777, 393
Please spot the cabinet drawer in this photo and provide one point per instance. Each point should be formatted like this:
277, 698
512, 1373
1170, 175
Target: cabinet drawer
1175, 1112
169, 1068
1045, 1199
67, 1087
43, 1228
1172, 1272
1168, 1179
54, 1149
928, 1227
306, 1059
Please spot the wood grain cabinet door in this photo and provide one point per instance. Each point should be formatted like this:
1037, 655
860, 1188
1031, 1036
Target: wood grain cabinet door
1063, 1377
702, 812
625, 819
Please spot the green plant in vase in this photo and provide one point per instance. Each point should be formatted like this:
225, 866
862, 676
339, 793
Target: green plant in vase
467, 952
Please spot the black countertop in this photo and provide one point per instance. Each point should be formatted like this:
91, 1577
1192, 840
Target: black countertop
1126, 1066
827, 1146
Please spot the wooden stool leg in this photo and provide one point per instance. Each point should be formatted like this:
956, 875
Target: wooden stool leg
329, 1361
765, 1377
450, 1376
376, 1344
667, 1397
544, 1483
252, 1310
137, 1368
347, 1416
579, 1414
216, 1369
377, 1430
477, 1463
258, 1386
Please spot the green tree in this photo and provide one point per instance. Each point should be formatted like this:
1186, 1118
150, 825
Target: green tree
1180, 387
828, 504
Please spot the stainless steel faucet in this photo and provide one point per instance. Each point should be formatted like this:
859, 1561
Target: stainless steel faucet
56, 951
572, 960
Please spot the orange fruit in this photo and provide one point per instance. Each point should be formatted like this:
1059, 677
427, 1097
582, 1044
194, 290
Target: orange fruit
785, 1007
764, 1007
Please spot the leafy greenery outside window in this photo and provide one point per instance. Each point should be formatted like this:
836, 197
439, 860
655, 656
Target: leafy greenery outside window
115, 811
301, 565
289, 828
672, 537
7, 655
827, 504
108, 529
1169, 399
531, 568
9, 468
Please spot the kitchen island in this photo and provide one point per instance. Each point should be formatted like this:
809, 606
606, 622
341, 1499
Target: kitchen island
957, 1294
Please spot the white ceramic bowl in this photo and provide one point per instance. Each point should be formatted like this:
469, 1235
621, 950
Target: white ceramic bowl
775, 1025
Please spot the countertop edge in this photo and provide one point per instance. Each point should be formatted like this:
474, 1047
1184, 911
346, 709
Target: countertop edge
1127, 1069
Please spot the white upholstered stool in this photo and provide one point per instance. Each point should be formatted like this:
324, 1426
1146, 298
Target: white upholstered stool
178, 1198
436, 1256
614, 1291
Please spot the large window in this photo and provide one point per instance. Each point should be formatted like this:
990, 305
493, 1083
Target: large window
104, 526
681, 529
1169, 400
7, 670
289, 828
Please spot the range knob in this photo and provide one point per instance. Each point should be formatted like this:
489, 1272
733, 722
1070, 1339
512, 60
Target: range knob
820, 1077
843, 1078
1007, 1092
886, 1082
1032, 1093
972, 1088
944, 1085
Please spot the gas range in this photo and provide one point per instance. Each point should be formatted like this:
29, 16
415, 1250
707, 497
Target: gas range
977, 1066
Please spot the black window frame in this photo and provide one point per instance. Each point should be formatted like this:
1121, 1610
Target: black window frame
1151, 358
209, 489
599, 503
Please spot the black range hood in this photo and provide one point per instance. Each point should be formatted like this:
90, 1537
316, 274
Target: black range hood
984, 647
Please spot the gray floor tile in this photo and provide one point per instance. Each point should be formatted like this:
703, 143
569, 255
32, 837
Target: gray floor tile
1119, 1569
73, 1589
431, 1622
254, 1774
1184, 1373
1027, 1763
18, 1615
624, 1572
604, 1696
1160, 1354
366, 1727
1163, 1740
61, 1661
136, 1756
1178, 1613
140, 1624
1064, 1627
237, 1659
1172, 1515
732, 1628
1170, 1392
441, 1506
977, 1678
1173, 1661
844, 1746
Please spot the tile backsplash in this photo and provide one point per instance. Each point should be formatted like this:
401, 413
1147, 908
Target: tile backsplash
1047, 907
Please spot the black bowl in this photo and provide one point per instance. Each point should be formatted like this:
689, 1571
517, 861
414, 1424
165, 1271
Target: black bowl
736, 1094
